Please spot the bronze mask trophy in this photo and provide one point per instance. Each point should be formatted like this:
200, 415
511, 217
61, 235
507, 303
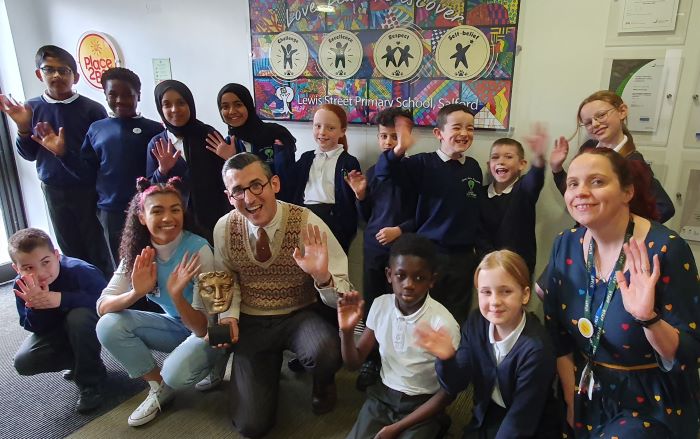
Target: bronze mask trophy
216, 291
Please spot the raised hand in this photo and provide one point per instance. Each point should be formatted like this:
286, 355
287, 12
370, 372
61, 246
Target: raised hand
438, 343
313, 260
350, 311
387, 235
183, 274
20, 113
638, 295
405, 139
217, 144
558, 154
537, 142
144, 275
358, 183
47, 137
166, 155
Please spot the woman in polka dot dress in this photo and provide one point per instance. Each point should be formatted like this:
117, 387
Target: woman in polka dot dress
621, 305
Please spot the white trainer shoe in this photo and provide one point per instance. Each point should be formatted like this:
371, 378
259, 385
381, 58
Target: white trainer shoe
159, 395
215, 377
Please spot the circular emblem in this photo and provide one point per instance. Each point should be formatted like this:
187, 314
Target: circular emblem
585, 327
463, 53
96, 53
398, 54
340, 54
289, 55
136, 130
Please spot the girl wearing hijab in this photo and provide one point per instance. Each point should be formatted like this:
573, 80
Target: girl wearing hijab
272, 142
181, 151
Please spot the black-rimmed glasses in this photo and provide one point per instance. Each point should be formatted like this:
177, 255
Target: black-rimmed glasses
255, 189
62, 71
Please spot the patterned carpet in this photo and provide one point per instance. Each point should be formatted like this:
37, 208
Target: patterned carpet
42, 406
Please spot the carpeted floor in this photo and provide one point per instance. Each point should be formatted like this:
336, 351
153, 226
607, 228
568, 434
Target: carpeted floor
42, 406
205, 415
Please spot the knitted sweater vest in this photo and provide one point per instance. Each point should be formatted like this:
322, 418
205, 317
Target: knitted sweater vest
276, 286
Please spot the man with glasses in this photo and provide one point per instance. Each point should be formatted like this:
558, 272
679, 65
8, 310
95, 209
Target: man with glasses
47, 127
283, 259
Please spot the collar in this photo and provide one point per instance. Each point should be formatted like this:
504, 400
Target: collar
51, 100
445, 158
330, 154
411, 318
619, 145
114, 116
173, 138
492, 191
271, 227
504, 346
165, 251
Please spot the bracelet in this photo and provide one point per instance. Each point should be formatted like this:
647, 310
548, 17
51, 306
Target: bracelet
651, 321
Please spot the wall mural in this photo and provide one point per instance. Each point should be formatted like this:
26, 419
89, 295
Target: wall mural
366, 55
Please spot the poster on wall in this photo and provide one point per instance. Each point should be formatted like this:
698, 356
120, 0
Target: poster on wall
649, 15
367, 55
639, 83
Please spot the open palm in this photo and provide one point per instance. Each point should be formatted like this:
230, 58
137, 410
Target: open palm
638, 295
350, 310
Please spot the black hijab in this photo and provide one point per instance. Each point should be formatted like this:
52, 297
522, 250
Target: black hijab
207, 200
254, 130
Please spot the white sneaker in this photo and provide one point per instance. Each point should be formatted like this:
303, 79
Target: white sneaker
159, 395
215, 377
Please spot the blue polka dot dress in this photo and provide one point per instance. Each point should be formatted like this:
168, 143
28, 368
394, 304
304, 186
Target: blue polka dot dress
635, 396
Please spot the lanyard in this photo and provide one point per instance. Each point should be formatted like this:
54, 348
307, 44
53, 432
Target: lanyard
612, 286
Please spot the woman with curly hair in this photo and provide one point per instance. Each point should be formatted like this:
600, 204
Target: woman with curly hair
159, 258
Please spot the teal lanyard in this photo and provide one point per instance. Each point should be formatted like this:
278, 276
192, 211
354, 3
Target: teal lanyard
612, 286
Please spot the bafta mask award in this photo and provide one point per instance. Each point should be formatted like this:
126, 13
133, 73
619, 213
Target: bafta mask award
216, 291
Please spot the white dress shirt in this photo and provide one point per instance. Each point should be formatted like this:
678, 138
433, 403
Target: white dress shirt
500, 351
320, 187
178, 143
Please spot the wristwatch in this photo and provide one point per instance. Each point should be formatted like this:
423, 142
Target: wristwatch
651, 321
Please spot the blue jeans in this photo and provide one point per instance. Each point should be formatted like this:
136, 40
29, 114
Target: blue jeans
130, 335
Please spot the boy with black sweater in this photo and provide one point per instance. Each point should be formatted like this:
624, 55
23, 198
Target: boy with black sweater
446, 185
114, 152
508, 202
70, 198
389, 214
55, 298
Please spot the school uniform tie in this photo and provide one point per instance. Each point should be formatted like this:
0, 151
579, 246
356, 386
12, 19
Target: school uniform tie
262, 246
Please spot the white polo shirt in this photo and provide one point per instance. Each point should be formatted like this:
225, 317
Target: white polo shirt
406, 367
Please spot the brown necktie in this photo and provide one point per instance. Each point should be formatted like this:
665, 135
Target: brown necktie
262, 246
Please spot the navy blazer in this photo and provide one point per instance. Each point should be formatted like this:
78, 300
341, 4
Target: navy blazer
525, 377
344, 208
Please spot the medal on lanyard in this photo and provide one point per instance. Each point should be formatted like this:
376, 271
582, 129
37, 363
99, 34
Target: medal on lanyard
594, 330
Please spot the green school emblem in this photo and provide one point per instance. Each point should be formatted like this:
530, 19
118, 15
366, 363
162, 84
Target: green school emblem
471, 184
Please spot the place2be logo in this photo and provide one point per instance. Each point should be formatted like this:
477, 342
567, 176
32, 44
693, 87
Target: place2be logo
96, 53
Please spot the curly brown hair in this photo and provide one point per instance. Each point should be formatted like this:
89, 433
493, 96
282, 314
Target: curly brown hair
136, 236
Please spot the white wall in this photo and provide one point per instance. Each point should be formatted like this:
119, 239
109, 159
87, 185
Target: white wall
209, 45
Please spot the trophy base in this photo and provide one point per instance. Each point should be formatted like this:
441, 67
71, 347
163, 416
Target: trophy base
219, 334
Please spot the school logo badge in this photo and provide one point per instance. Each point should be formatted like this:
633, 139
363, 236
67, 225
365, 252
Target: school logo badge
96, 53
463, 52
472, 184
398, 54
289, 55
340, 54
